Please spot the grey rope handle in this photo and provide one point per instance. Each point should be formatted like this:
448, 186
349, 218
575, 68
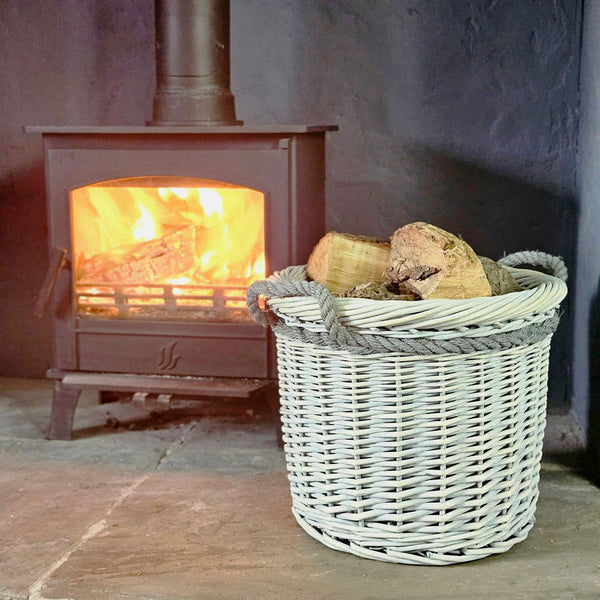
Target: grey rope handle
553, 264
339, 337
338, 334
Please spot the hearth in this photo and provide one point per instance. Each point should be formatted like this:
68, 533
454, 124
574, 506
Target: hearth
156, 231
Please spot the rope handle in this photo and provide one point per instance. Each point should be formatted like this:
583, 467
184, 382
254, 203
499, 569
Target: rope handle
553, 264
260, 291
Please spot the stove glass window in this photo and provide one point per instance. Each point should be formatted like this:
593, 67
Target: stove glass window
166, 248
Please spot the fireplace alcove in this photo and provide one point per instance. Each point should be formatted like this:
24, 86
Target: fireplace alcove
160, 354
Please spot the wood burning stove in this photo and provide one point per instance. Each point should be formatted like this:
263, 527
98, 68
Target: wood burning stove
155, 234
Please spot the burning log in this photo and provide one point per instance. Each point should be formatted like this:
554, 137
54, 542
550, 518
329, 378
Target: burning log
155, 260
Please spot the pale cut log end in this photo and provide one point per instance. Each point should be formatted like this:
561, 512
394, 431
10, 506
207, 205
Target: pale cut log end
341, 261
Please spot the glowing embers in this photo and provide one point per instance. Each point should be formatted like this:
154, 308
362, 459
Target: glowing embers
214, 303
162, 245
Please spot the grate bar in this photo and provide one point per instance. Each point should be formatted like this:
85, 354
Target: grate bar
164, 300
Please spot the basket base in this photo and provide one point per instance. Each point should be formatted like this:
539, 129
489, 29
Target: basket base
426, 558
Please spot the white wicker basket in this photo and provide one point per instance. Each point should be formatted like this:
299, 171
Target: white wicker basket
426, 459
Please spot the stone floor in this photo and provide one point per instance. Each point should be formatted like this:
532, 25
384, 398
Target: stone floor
180, 506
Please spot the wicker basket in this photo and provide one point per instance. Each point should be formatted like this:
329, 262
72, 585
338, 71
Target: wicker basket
426, 452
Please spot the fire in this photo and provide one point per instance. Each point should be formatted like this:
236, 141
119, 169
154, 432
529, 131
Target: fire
207, 259
211, 202
183, 193
180, 280
183, 235
144, 229
259, 268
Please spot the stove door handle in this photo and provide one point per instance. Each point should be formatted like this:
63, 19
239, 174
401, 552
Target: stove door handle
58, 261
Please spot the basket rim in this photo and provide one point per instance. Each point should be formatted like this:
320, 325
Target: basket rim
542, 294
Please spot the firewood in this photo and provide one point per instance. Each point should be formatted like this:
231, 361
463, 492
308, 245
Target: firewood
376, 291
434, 263
341, 261
151, 261
501, 281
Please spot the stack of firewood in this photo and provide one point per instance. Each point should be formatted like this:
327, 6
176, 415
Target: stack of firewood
420, 261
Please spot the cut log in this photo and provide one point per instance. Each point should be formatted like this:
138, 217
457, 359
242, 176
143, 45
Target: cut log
501, 281
341, 261
155, 260
434, 263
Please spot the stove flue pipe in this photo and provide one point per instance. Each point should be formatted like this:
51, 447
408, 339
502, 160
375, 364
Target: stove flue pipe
192, 64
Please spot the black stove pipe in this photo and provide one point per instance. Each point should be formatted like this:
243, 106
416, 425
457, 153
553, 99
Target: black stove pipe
192, 64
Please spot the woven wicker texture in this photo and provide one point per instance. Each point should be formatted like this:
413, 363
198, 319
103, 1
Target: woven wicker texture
416, 458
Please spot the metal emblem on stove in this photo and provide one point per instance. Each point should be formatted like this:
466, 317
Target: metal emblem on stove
168, 358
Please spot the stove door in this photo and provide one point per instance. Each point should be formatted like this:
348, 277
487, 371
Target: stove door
162, 244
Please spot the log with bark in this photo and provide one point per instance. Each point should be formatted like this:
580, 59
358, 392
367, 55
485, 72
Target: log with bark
433, 263
501, 281
422, 261
377, 291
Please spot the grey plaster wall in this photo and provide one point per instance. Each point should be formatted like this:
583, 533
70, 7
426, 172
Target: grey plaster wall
461, 113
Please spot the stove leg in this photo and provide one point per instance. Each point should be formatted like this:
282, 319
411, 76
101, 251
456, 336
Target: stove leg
272, 396
63, 411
